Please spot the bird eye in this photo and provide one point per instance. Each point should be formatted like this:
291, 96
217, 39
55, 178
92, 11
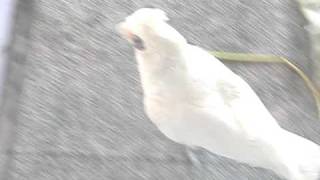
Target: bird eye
138, 42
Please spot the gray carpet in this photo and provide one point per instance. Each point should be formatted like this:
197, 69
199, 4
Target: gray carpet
73, 102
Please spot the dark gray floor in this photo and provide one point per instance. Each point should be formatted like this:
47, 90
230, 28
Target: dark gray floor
73, 102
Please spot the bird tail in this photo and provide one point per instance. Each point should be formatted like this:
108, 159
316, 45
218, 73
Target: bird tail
300, 157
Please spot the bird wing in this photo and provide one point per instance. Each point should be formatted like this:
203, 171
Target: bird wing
231, 93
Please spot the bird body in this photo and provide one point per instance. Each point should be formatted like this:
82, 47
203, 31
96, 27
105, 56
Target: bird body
197, 101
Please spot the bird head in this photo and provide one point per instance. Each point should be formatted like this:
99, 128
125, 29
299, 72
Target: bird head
147, 30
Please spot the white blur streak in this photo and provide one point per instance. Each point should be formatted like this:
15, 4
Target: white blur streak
6, 16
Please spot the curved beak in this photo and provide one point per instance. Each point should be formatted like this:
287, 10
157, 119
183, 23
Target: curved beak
124, 31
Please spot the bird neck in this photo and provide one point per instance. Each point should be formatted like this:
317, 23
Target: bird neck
160, 70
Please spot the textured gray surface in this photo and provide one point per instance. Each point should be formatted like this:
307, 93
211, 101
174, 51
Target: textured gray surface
80, 116
313, 6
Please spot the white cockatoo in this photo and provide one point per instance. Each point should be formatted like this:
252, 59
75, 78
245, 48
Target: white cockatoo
197, 101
